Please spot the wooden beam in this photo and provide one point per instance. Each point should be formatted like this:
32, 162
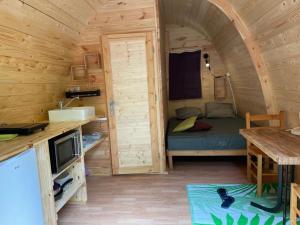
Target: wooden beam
254, 52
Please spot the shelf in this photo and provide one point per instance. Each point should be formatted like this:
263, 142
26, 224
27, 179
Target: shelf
101, 119
70, 191
93, 144
56, 175
83, 94
79, 73
92, 71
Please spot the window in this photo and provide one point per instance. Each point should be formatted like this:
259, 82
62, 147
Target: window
185, 75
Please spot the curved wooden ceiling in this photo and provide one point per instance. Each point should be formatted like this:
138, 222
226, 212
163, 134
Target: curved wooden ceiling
274, 26
212, 22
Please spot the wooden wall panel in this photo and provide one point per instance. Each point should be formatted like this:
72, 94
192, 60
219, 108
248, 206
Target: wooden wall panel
277, 32
185, 39
124, 16
98, 160
274, 26
52, 9
35, 57
221, 33
112, 17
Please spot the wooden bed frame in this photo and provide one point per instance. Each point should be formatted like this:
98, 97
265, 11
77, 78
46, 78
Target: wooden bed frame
229, 152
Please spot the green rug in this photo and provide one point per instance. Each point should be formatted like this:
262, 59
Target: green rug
205, 205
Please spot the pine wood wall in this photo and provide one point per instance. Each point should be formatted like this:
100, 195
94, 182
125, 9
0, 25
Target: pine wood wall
272, 27
36, 39
275, 26
208, 20
117, 17
185, 39
40, 39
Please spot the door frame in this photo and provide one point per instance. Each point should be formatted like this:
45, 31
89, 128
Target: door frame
155, 168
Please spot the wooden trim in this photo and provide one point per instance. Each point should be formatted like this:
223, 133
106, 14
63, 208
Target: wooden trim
132, 31
124, 36
229, 152
136, 170
254, 51
160, 70
109, 98
152, 101
45, 175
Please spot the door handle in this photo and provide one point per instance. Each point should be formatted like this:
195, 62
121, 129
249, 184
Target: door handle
112, 107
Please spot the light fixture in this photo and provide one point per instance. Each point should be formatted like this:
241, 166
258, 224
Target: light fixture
207, 60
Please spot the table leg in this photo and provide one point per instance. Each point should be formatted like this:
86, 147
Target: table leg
285, 177
285, 194
278, 205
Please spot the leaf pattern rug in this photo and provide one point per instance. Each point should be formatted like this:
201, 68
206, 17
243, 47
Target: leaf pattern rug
205, 205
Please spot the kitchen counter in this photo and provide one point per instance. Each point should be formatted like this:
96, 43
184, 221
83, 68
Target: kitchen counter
21, 143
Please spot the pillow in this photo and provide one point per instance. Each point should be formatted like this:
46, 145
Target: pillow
200, 126
186, 112
186, 124
219, 110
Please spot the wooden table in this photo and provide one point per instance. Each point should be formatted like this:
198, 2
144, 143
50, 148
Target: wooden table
284, 149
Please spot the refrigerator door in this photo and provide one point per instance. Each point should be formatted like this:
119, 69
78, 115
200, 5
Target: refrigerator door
20, 195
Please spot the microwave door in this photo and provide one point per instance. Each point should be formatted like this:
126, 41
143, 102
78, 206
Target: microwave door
65, 151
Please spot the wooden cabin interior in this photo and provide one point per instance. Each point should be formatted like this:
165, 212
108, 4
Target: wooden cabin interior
149, 112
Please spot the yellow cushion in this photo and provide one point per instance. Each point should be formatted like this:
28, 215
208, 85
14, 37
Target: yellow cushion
186, 124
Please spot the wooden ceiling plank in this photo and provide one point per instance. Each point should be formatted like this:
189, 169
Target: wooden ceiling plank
20, 17
15, 38
79, 9
254, 52
120, 5
55, 13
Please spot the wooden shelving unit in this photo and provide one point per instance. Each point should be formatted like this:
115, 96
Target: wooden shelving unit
97, 155
94, 144
79, 73
71, 190
77, 172
90, 70
56, 175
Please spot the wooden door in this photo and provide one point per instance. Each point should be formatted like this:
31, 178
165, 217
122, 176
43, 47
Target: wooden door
129, 77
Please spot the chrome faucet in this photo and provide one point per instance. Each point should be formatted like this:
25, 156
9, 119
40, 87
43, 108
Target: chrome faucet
61, 103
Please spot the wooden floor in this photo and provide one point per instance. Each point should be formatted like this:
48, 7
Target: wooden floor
150, 199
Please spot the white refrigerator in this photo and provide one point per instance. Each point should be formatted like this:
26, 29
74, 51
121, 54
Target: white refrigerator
20, 195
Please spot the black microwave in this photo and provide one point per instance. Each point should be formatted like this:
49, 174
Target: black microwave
64, 149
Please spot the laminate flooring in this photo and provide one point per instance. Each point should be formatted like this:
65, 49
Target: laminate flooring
150, 199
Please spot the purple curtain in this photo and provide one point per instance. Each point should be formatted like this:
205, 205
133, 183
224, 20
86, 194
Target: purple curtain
184, 75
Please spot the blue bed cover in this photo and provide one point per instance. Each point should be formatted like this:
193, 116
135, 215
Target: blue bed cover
223, 135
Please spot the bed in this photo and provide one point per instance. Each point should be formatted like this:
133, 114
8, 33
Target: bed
223, 139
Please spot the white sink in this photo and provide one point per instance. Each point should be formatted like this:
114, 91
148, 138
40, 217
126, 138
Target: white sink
71, 114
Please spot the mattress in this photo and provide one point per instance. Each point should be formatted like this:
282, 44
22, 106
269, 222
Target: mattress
223, 135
